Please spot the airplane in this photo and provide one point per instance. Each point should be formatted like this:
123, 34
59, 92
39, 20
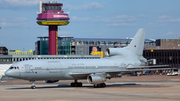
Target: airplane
119, 61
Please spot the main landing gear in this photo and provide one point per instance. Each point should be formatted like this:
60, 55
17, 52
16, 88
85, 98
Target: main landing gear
99, 85
76, 84
33, 85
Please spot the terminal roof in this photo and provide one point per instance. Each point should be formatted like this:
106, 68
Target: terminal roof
106, 39
97, 39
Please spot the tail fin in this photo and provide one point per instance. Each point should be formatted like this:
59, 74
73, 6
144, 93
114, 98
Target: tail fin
137, 44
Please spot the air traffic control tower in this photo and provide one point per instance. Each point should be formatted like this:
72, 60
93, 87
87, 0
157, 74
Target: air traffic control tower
51, 15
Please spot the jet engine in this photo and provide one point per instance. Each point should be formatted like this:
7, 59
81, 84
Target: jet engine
114, 51
96, 79
51, 81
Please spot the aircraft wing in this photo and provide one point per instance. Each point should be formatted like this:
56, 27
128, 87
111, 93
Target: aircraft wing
155, 66
136, 70
127, 70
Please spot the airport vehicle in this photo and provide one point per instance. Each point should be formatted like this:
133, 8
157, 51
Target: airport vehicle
120, 61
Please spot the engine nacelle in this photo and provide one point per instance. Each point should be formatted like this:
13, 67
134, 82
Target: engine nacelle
114, 51
96, 79
51, 81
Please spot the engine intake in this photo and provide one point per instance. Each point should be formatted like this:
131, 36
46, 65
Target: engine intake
96, 79
114, 51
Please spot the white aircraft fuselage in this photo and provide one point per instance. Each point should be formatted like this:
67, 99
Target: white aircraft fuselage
61, 69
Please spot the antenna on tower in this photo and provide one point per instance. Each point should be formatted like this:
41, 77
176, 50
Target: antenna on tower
40, 11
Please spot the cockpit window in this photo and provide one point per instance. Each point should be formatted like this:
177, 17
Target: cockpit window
14, 68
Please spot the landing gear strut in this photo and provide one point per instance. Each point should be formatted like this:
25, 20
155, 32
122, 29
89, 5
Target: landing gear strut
99, 85
76, 84
33, 85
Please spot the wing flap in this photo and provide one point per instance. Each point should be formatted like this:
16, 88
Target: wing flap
155, 66
136, 70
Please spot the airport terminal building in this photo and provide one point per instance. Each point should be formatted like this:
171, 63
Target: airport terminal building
166, 52
83, 46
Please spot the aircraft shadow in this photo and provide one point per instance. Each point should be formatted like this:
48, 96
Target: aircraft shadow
68, 86
86, 86
40, 87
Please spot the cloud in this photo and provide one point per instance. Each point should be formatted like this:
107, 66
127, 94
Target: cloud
125, 18
166, 18
170, 20
170, 33
21, 2
116, 19
75, 18
103, 20
89, 6
119, 20
14, 24
11, 21
122, 16
121, 24
156, 25
3, 24
175, 20
19, 19
142, 16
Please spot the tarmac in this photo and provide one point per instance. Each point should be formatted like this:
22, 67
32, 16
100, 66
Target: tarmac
128, 88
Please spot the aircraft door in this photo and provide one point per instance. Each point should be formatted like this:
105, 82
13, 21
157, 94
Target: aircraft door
27, 68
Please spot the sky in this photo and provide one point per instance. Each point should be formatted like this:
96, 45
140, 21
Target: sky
90, 19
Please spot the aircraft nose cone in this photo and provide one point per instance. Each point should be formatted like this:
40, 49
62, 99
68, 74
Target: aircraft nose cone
10, 73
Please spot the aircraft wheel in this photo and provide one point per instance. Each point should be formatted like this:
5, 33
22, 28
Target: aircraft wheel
75, 84
80, 84
33, 87
103, 85
98, 85
72, 84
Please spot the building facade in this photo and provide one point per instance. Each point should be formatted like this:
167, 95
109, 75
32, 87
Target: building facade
3, 51
166, 52
83, 46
